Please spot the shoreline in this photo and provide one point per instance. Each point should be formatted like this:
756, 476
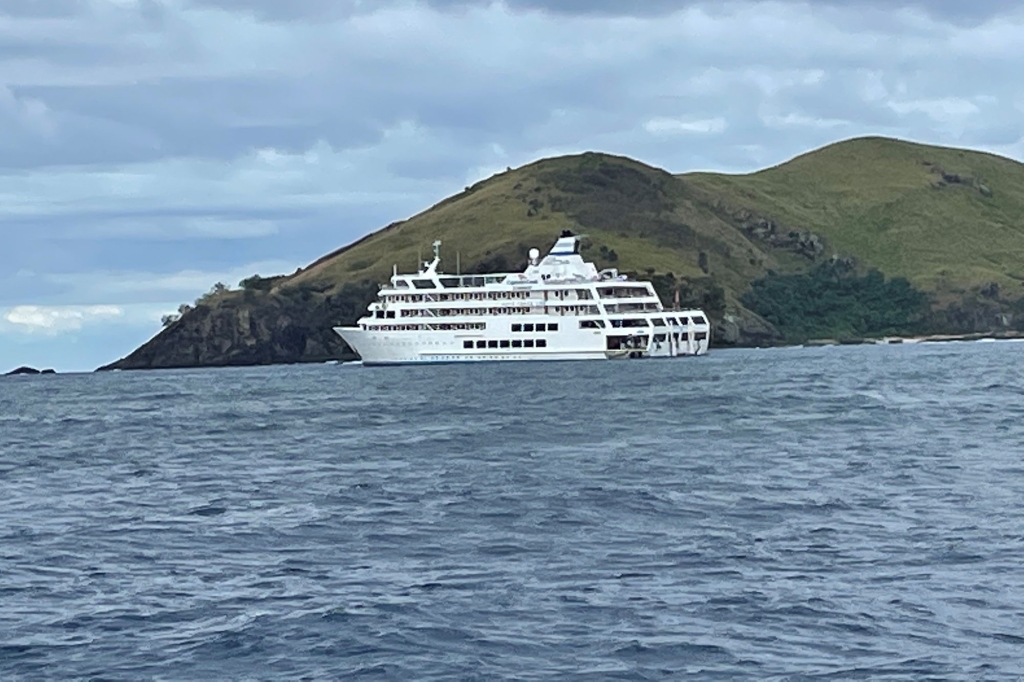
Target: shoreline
925, 338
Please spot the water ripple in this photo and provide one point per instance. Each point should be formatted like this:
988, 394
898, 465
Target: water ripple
832, 513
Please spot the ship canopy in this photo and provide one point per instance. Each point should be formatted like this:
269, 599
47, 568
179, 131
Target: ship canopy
563, 263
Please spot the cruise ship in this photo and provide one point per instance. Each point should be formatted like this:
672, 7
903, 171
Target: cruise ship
559, 308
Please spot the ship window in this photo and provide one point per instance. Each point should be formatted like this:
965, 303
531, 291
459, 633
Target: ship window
504, 343
390, 314
528, 343
481, 344
401, 284
699, 320
683, 321
492, 344
542, 343
553, 327
517, 327
450, 282
700, 336
659, 322
378, 313
467, 344
527, 327
423, 284
517, 343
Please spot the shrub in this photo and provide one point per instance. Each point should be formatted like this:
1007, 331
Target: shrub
831, 301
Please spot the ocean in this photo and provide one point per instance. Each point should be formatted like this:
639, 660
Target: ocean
849, 512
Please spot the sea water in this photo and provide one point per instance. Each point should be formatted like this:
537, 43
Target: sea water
850, 512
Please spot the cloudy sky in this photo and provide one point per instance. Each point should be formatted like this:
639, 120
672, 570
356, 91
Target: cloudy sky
149, 148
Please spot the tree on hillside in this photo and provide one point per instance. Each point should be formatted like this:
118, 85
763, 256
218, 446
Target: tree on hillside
831, 301
217, 290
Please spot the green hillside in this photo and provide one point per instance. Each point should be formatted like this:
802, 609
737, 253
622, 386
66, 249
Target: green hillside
949, 221
946, 219
644, 215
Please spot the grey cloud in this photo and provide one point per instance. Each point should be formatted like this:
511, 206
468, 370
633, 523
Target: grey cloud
61, 9
41, 8
348, 95
953, 10
214, 118
292, 11
53, 138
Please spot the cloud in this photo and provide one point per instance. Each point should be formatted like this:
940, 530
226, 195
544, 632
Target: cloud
165, 290
218, 80
74, 338
272, 10
26, 113
31, 319
676, 126
182, 286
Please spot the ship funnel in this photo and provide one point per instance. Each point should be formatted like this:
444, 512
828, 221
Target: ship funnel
567, 245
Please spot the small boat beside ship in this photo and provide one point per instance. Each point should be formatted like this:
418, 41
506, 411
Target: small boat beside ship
559, 308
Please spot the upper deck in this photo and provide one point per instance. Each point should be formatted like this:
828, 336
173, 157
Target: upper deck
563, 265
561, 284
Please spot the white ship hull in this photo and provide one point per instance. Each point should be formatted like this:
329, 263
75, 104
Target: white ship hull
402, 348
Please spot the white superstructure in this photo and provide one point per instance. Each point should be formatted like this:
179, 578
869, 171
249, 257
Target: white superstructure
558, 308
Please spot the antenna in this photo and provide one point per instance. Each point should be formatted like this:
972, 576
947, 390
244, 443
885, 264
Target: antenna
458, 263
437, 249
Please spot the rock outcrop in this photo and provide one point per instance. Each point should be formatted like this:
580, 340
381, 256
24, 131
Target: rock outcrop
946, 178
745, 329
29, 371
801, 242
252, 327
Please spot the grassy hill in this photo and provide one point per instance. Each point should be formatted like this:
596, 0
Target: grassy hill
949, 221
642, 214
946, 219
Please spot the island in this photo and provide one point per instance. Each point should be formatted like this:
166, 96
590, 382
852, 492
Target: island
868, 238
29, 371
